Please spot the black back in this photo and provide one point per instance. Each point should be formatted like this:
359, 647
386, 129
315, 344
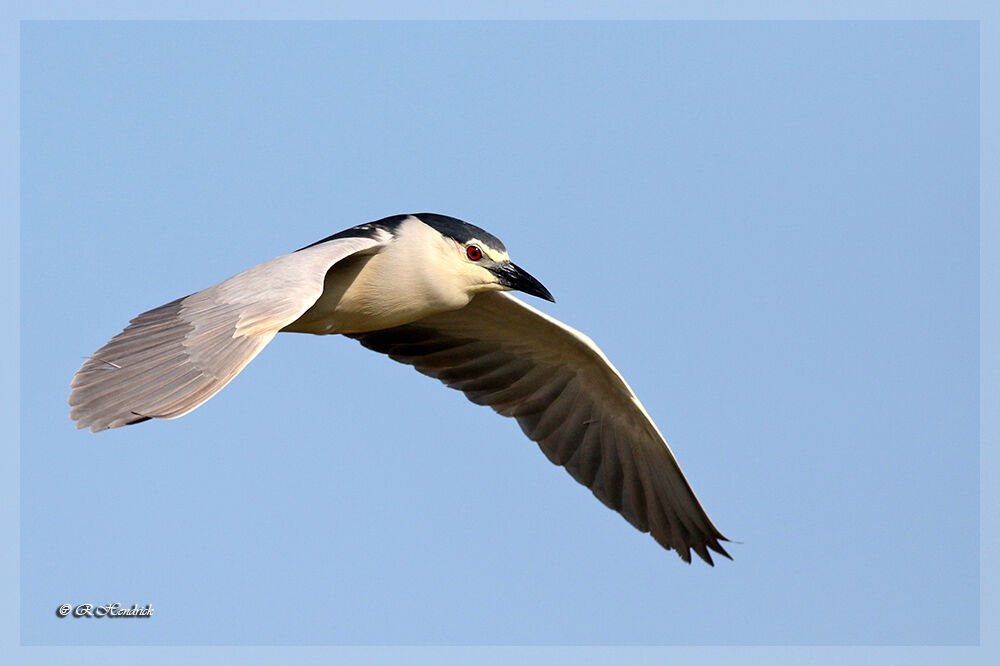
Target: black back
452, 227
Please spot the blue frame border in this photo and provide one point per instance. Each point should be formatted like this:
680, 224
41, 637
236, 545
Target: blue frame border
985, 12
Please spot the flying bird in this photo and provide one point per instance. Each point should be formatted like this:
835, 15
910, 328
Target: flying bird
429, 291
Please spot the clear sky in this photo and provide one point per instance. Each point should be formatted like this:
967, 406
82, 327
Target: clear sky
772, 229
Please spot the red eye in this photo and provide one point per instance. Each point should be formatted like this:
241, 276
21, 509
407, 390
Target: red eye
474, 253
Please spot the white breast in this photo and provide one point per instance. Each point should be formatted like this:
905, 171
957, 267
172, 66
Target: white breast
407, 280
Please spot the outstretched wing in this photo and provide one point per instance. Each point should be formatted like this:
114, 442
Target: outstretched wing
175, 357
566, 396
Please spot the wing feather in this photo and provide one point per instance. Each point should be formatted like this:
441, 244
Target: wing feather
566, 396
173, 358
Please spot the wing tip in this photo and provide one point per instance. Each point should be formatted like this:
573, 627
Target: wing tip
703, 547
700, 547
97, 424
83, 422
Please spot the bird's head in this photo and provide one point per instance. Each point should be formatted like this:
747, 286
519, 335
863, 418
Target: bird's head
478, 259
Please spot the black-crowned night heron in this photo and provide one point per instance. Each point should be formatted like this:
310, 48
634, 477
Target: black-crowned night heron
428, 290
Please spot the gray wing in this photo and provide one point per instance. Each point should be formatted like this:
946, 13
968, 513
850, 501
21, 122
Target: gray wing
566, 396
175, 357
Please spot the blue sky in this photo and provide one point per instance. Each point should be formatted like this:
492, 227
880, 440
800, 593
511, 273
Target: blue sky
771, 229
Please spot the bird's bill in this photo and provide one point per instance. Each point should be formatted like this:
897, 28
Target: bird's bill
514, 277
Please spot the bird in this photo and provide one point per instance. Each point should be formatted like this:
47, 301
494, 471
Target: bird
433, 292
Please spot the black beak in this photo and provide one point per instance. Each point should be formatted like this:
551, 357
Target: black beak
514, 277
